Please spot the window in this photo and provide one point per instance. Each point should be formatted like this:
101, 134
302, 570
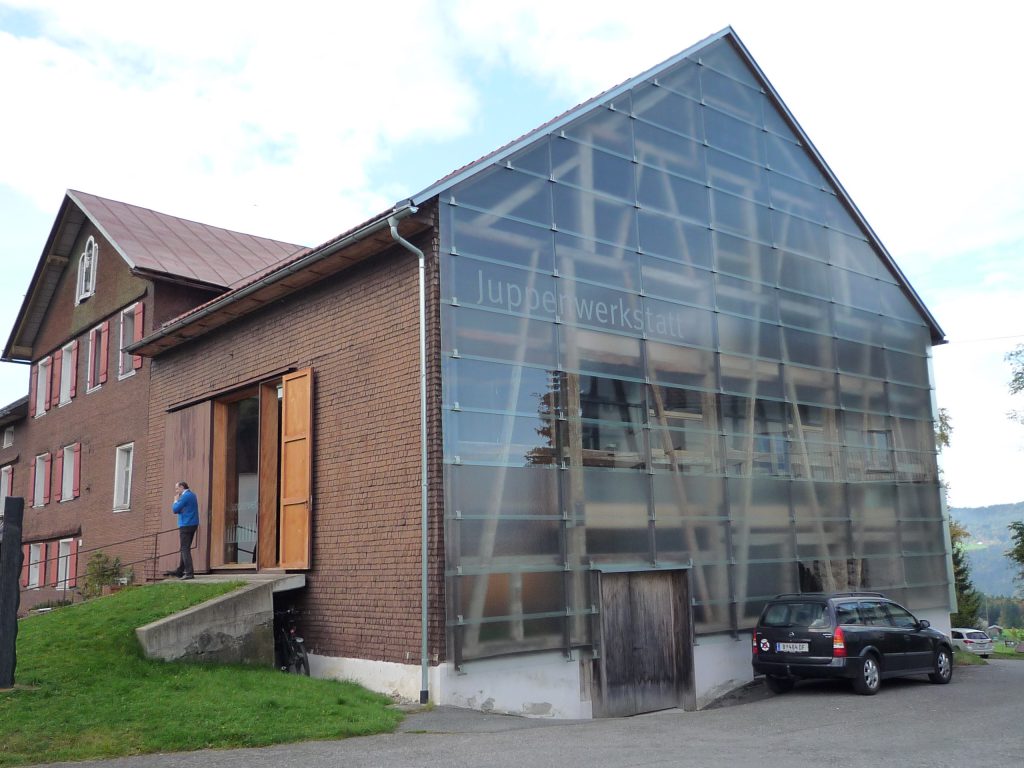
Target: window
40, 485
87, 271
65, 563
6, 483
131, 330
9, 436
39, 400
879, 458
68, 377
901, 617
68, 471
35, 565
98, 355
123, 476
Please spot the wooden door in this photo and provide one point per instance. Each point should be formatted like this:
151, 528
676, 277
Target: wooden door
186, 457
646, 651
296, 469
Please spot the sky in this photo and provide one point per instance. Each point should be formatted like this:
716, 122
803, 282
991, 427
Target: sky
298, 121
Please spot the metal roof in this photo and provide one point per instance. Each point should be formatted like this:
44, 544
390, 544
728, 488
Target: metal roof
154, 245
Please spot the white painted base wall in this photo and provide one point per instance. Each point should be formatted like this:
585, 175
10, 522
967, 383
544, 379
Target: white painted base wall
544, 684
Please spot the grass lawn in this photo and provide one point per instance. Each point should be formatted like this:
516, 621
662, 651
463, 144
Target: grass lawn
1001, 651
84, 691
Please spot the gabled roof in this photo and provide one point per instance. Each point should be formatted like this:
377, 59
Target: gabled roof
153, 245
355, 245
498, 156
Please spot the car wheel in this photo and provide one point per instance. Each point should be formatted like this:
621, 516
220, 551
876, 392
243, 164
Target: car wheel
869, 677
943, 667
779, 684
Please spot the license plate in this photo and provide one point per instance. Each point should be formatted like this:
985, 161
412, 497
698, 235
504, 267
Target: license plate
792, 647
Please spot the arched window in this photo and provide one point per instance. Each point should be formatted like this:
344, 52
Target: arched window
87, 270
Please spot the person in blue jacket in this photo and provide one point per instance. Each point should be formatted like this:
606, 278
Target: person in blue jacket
186, 507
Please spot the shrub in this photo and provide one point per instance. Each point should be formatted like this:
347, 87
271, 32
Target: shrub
102, 571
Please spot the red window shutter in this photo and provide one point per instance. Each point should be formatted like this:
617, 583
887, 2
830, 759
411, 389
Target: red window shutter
58, 476
139, 315
73, 564
74, 367
52, 556
76, 482
30, 497
104, 350
48, 394
25, 553
33, 373
55, 366
46, 479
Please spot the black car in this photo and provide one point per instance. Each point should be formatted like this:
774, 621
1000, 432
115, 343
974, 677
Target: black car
861, 636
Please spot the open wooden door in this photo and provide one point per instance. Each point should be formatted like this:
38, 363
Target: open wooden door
296, 470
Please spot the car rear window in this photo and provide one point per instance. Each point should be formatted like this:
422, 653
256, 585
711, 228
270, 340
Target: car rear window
795, 615
977, 636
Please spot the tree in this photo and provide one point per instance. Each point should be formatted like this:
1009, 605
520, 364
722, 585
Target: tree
1016, 360
968, 599
1016, 553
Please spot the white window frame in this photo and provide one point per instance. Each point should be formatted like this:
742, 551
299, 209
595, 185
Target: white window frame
6, 474
35, 565
123, 460
8, 436
67, 474
41, 480
43, 375
92, 382
125, 368
63, 563
87, 262
66, 362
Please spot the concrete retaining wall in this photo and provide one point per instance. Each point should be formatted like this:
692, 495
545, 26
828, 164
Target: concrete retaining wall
236, 628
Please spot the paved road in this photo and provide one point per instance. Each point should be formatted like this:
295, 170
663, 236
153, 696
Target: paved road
974, 722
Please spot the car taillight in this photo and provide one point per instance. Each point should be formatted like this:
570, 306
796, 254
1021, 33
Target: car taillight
968, 641
838, 643
753, 643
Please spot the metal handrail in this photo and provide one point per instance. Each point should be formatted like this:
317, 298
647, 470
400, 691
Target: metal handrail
62, 584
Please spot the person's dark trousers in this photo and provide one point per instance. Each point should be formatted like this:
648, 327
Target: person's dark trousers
186, 534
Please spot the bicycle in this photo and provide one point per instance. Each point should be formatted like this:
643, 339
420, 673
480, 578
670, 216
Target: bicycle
289, 648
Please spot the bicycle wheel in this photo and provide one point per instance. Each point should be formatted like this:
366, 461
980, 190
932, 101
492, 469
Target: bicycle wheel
298, 663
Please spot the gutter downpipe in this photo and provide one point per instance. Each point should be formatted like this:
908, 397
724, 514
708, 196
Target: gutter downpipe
424, 659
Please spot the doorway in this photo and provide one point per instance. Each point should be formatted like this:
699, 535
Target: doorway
261, 479
646, 661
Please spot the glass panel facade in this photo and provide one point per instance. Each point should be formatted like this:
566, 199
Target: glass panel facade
666, 343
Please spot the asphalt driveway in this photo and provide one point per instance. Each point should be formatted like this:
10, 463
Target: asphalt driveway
974, 721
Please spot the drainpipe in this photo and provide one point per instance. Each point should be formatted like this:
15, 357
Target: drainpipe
424, 659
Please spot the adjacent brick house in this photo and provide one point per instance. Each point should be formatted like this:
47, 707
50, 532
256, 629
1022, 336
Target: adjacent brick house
108, 274
661, 370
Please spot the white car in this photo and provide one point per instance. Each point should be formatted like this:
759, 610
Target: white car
971, 640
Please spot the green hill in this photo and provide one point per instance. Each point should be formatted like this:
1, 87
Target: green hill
991, 571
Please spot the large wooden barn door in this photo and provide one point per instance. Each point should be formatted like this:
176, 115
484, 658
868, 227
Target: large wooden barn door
646, 652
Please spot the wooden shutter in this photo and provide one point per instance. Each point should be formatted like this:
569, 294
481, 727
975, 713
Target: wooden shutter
58, 476
33, 375
51, 558
104, 351
296, 469
30, 497
73, 564
76, 482
137, 336
74, 368
48, 394
46, 479
55, 366
25, 554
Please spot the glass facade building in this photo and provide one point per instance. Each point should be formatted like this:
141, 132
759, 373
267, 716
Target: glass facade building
668, 342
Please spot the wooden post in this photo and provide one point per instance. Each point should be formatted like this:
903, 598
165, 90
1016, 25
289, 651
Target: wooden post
10, 597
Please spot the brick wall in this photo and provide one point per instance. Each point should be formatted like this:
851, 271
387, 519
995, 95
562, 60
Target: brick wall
114, 414
358, 332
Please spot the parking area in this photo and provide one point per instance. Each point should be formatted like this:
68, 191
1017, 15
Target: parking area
975, 720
